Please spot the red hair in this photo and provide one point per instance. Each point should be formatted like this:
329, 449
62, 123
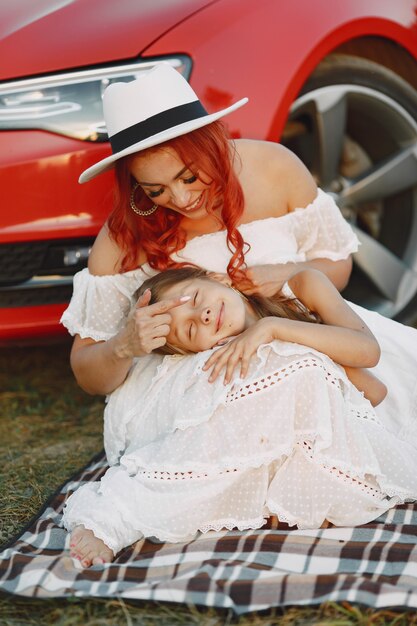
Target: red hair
208, 149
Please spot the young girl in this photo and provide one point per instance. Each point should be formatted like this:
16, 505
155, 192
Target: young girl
214, 312
293, 439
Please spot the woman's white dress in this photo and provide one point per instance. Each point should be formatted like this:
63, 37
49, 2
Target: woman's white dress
294, 439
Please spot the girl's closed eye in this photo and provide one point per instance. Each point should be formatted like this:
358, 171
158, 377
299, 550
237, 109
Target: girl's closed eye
190, 180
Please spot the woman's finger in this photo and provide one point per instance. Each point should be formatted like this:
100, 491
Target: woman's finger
162, 330
158, 342
144, 299
221, 278
157, 320
248, 291
163, 306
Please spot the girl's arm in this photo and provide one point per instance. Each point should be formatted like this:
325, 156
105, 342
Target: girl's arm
343, 336
373, 389
315, 292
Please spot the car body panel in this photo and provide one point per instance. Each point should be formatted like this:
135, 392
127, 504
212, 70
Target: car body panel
265, 51
36, 323
320, 30
37, 174
65, 34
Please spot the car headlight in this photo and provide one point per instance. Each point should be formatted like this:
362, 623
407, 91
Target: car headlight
70, 104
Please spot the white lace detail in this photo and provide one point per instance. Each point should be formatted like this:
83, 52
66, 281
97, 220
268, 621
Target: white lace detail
276, 377
351, 478
167, 475
229, 524
365, 413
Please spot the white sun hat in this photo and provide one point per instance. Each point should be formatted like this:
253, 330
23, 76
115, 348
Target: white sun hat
156, 107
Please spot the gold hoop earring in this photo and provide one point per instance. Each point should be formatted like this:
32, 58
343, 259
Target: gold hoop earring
135, 208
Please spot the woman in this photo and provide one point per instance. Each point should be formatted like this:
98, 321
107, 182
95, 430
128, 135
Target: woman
187, 194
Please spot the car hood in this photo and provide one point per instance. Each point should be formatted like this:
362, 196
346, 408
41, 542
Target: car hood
38, 36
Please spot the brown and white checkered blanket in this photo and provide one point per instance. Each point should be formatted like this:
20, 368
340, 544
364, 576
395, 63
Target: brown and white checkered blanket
373, 565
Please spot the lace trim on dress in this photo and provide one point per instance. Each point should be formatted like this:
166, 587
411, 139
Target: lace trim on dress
174, 475
100, 304
231, 523
350, 478
74, 327
276, 377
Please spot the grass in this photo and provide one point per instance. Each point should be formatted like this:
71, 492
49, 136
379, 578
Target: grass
48, 429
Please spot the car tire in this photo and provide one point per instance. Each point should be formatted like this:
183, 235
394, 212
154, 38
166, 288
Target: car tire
354, 124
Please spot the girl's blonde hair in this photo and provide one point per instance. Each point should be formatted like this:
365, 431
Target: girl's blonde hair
277, 306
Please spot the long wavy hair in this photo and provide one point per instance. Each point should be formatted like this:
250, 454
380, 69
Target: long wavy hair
207, 149
277, 306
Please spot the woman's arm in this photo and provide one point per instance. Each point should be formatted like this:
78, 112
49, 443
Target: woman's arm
101, 366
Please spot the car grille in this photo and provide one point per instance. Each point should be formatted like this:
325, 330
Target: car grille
40, 272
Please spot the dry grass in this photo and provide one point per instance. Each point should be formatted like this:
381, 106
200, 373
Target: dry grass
48, 429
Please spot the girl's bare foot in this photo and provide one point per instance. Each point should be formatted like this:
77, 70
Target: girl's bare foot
89, 550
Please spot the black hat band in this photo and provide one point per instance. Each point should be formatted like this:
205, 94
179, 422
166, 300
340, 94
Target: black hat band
156, 124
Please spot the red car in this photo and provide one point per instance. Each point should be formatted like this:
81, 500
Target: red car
335, 81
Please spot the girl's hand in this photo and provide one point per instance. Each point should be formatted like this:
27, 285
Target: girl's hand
266, 280
239, 350
148, 326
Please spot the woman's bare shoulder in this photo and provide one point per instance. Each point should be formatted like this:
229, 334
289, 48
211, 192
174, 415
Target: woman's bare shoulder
105, 256
282, 173
268, 153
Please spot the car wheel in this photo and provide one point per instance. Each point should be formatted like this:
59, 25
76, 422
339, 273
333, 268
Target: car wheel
354, 125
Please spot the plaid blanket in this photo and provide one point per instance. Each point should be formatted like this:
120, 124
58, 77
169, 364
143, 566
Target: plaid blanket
373, 565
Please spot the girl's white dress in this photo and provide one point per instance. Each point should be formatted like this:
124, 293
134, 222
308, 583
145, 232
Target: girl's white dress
295, 438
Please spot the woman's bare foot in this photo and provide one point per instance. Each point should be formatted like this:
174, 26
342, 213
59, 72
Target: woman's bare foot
89, 550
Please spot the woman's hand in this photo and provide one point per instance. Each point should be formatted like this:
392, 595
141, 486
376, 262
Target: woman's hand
148, 326
266, 280
239, 350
